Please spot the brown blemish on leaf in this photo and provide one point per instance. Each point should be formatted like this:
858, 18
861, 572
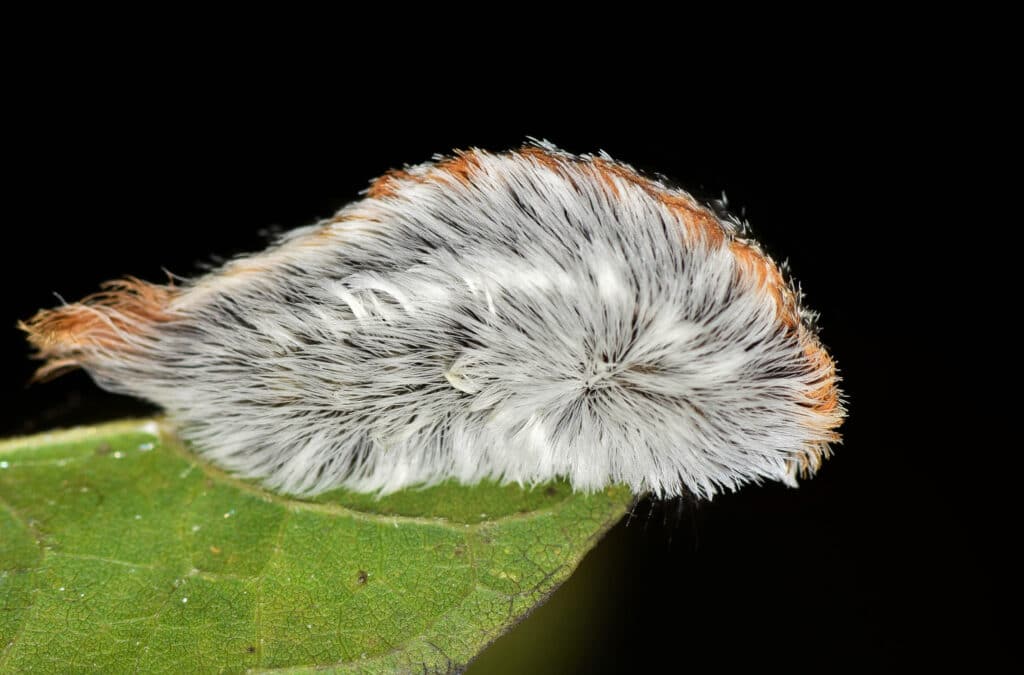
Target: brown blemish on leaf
362, 577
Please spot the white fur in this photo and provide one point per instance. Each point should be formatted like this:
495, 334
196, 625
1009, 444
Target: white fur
528, 324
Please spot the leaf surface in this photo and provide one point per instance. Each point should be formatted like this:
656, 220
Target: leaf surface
122, 551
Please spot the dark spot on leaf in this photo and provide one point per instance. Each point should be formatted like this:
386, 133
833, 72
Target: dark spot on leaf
459, 550
362, 577
251, 649
550, 491
103, 449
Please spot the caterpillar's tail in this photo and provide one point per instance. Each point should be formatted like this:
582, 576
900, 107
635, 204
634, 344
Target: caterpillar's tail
114, 320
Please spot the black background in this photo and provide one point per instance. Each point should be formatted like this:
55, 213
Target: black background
867, 564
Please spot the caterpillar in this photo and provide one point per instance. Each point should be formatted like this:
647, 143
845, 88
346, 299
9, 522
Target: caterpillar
520, 316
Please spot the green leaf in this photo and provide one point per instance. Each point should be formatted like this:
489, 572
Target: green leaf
122, 551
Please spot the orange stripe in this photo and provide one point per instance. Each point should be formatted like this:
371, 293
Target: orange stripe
387, 185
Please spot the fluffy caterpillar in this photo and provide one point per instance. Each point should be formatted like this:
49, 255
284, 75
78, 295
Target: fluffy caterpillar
517, 316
